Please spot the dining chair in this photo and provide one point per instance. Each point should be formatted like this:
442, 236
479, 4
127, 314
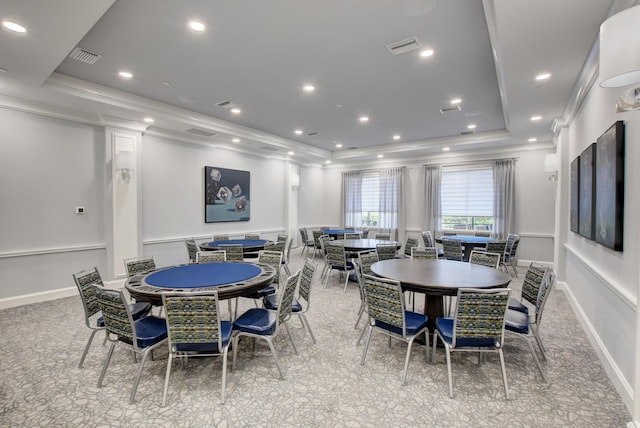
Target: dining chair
356, 235
386, 251
195, 329
137, 265
478, 325
485, 258
522, 325
262, 323
286, 257
365, 260
302, 302
211, 256
337, 260
282, 237
192, 249
252, 236
387, 314
410, 243
365, 233
496, 246
483, 233
452, 249
316, 241
424, 253
234, 252
220, 238
141, 336
428, 241
513, 240
305, 241
383, 235
84, 280
324, 242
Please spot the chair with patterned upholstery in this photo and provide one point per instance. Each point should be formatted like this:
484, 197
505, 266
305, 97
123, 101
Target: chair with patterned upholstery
496, 246
483, 233
192, 249
282, 237
533, 279
252, 236
477, 326
485, 258
452, 249
382, 235
275, 246
286, 257
138, 265
410, 243
449, 233
522, 325
365, 260
234, 252
195, 330
356, 235
337, 260
262, 323
316, 241
424, 253
305, 241
365, 233
211, 256
141, 336
427, 239
302, 302
510, 252
92, 317
324, 241
386, 251
387, 314
220, 238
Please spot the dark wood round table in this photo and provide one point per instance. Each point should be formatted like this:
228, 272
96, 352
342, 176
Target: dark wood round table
437, 278
229, 279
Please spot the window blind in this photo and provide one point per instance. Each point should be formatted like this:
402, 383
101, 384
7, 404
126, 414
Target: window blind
467, 192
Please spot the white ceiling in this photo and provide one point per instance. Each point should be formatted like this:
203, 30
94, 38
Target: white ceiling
258, 55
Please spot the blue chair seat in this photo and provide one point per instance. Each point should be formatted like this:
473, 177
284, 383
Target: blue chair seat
349, 266
517, 305
445, 327
517, 321
271, 302
226, 329
150, 330
258, 321
414, 321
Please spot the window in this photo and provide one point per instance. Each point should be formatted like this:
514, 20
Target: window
371, 198
467, 198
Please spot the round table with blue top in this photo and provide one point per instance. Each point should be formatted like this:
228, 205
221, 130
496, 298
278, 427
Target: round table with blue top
229, 279
250, 247
337, 233
469, 242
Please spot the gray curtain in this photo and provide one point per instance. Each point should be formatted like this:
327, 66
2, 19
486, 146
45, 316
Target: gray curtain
392, 214
504, 171
351, 198
433, 207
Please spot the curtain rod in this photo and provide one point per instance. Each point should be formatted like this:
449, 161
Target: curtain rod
374, 169
469, 162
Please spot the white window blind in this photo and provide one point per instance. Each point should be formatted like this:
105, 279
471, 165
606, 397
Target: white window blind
467, 192
370, 192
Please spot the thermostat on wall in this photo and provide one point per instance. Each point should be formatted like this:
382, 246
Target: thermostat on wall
79, 210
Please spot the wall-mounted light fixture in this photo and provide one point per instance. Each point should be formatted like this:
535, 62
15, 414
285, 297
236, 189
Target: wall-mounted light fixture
551, 166
295, 182
619, 59
125, 164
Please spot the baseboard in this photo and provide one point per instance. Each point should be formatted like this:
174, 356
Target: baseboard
27, 299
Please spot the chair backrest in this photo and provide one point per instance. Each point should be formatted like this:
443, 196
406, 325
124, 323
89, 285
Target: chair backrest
543, 294
452, 248
271, 258
286, 298
513, 247
365, 233
424, 253
382, 235
449, 233
275, 246
411, 242
385, 301
460, 226
511, 238
386, 251
336, 255
220, 237
192, 319
282, 237
365, 260
324, 242
304, 236
84, 281
496, 246
316, 236
234, 252
427, 239
115, 311
533, 279
306, 280
479, 317
483, 233
137, 266
356, 235
484, 258
211, 256
287, 253
251, 236
192, 249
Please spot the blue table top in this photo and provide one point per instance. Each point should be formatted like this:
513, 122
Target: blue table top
338, 231
243, 242
203, 275
469, 238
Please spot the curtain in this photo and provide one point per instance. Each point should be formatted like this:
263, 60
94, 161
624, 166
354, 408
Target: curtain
504, 196
352, 198
433, 211
392, 201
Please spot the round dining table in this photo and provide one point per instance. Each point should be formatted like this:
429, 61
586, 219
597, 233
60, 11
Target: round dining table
336, 233
437, 278
229, 279
357, 245
248, 245
469, 242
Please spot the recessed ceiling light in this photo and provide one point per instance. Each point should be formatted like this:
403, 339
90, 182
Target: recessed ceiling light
308, 88
543, 76
148, 119
339, 105
535, 118
125, 74
425, 53
456, 101
338, 145
235, 140
364, 119
166, 83
532, 140
196, 26
396, 137
380, 156
298, 132
290, 153
14, 27
471, 126
236, 110
327, 162
445, 149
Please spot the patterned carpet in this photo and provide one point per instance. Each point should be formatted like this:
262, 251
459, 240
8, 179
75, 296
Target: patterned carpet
325, 384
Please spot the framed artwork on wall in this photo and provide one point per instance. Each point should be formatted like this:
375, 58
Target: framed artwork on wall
587, 190
574, 209
609, 187
227, 195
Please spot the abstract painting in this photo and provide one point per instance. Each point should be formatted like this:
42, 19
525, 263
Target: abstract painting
227, 195
587, 187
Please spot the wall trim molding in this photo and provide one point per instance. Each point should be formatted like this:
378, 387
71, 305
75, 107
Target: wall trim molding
619, 291
27, 299
54, 250
232, 235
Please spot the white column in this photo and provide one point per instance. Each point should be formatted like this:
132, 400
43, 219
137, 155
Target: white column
292, 183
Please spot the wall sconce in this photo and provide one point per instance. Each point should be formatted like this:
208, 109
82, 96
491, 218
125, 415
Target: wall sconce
124, 164
551, 166
295, 182
619, 59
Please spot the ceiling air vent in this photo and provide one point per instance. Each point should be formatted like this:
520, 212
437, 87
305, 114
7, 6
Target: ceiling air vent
449, 109
406, 45
312, 134
84, 56
270, 149
466, 132
202, 132
226, 104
